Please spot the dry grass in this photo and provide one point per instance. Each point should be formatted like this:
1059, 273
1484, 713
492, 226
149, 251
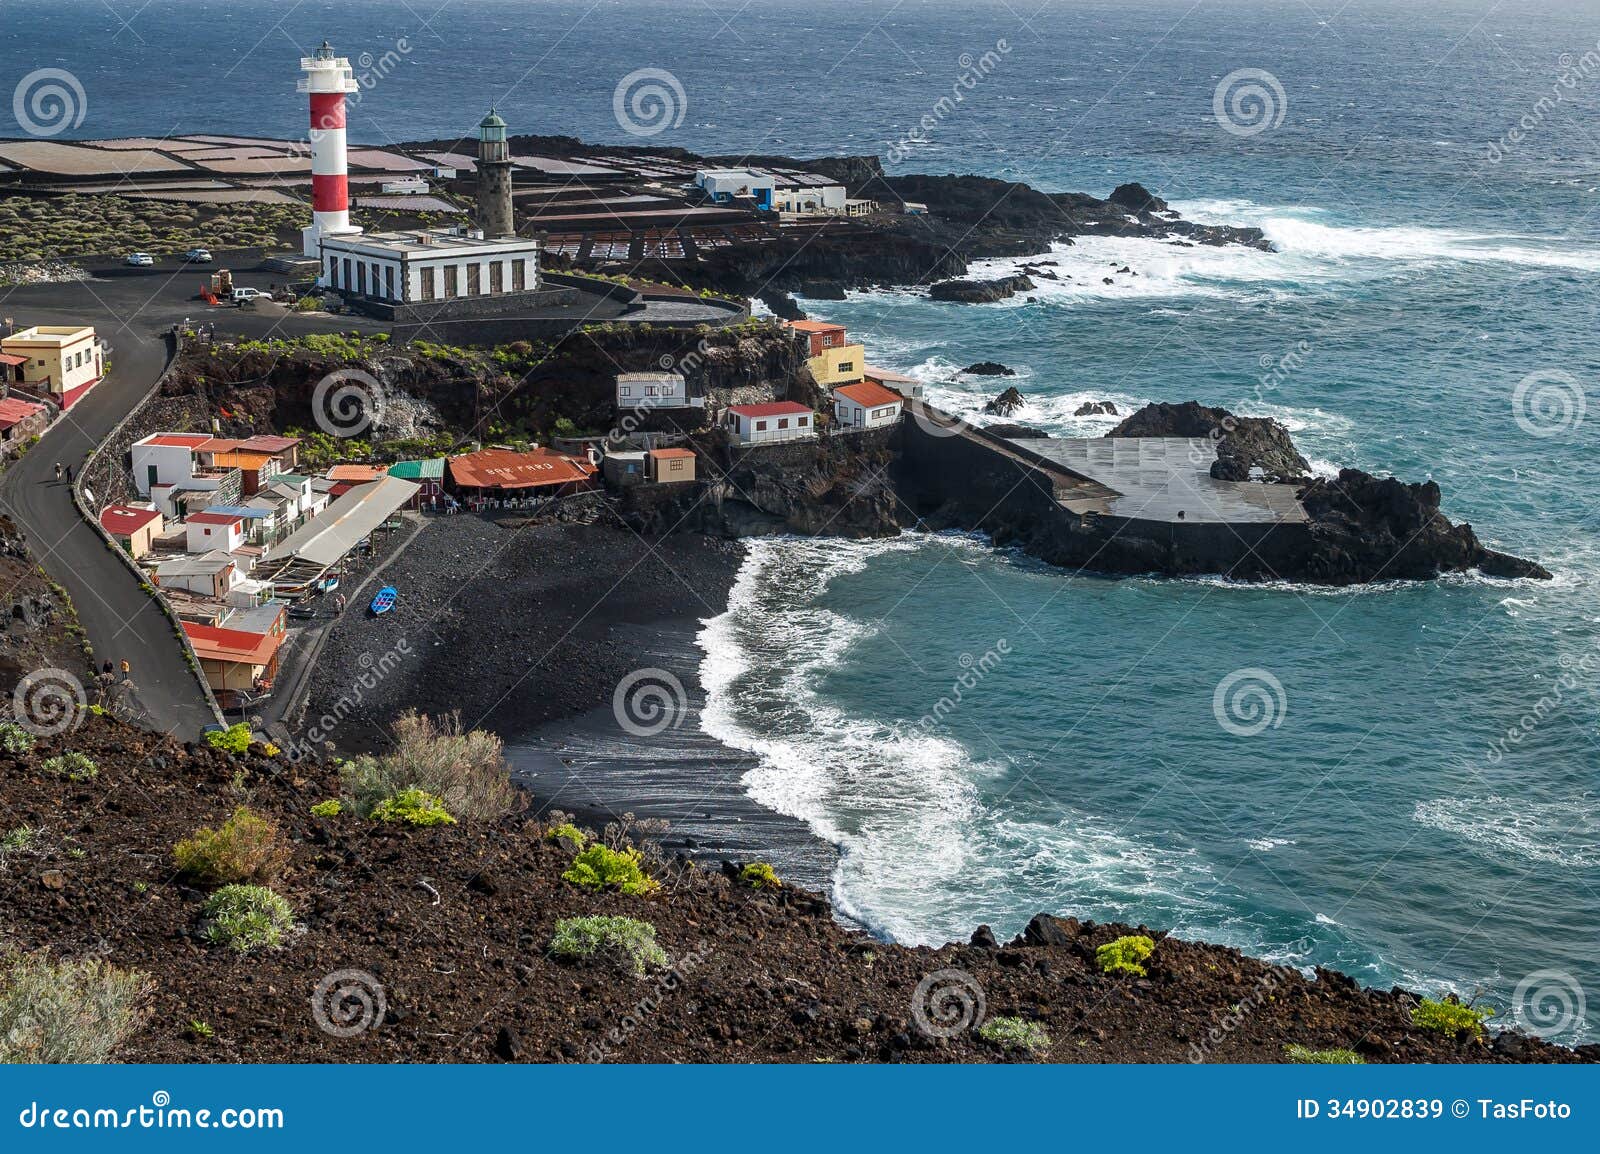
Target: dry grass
67, 1011
245, 848
466, 769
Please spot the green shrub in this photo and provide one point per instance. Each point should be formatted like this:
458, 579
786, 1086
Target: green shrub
413, 807
75, 766
567, 832
1015, 1034
246, 918
333, 807
66, 1011
234, 739
1306, 1056
245, 848
627, 942
600, 867
21, 840
14, 739
1124, 955
465, 769
1449, 1016
759, 875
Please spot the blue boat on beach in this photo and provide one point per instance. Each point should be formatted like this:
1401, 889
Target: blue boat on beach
384, 601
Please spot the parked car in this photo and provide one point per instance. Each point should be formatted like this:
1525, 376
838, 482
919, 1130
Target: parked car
240, 295
140, 259
198, 256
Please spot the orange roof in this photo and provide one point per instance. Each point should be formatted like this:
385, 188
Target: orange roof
123, 521
357, 473
240, 459
504, 469
232, 645
814, 326
869, 395
178, 440
661, 454
13, 410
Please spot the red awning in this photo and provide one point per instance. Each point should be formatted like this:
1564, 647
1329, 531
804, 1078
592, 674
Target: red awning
8, 359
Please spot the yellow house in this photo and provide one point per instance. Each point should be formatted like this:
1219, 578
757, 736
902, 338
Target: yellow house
833, 360
64, 361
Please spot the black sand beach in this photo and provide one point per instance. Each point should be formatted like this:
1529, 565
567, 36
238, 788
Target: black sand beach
528, 630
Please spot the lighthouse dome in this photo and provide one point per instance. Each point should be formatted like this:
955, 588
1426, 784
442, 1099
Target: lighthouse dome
492, 127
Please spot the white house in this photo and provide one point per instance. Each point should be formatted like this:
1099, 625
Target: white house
165, 459
65, 361
724, 185
652, 391
866, 406
208, 531
776, 421
428, 265
208, 574
811, 200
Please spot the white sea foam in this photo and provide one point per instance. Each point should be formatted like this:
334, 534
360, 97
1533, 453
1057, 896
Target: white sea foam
1565, 834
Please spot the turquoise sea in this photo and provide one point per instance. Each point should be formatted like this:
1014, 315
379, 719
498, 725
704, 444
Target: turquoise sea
1416, 798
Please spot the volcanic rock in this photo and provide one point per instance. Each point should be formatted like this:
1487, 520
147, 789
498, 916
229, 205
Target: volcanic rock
1095, 409
980, 291
1006, 403
989, 369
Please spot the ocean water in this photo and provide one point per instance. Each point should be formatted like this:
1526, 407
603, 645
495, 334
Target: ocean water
1399, 781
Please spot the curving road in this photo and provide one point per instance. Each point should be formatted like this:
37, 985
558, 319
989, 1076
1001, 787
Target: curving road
131, 309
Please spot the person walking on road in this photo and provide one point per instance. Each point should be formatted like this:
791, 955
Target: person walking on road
58, 470
69, 474
126, 669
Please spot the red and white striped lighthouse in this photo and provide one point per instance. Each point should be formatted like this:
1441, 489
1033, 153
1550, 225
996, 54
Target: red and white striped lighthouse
327, 79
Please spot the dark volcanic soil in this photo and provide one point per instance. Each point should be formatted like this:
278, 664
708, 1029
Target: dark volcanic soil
513, 625
453, 923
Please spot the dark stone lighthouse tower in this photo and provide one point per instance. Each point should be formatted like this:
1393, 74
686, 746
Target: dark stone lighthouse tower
494, 178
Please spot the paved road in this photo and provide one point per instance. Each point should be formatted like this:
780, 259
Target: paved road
131, 309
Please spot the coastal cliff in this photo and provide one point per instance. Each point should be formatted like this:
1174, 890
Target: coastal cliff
446, 932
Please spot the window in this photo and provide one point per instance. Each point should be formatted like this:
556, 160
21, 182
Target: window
519, 275
346, 281
497, 274
452, 282
783, 422
388, 281
649, 390
847, 366
425, 284
625, 391
474, 280
761, 426
802, 422
361, 278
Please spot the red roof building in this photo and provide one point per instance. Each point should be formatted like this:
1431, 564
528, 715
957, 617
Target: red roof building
819, 335
497, 472
235, 662
774, 421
